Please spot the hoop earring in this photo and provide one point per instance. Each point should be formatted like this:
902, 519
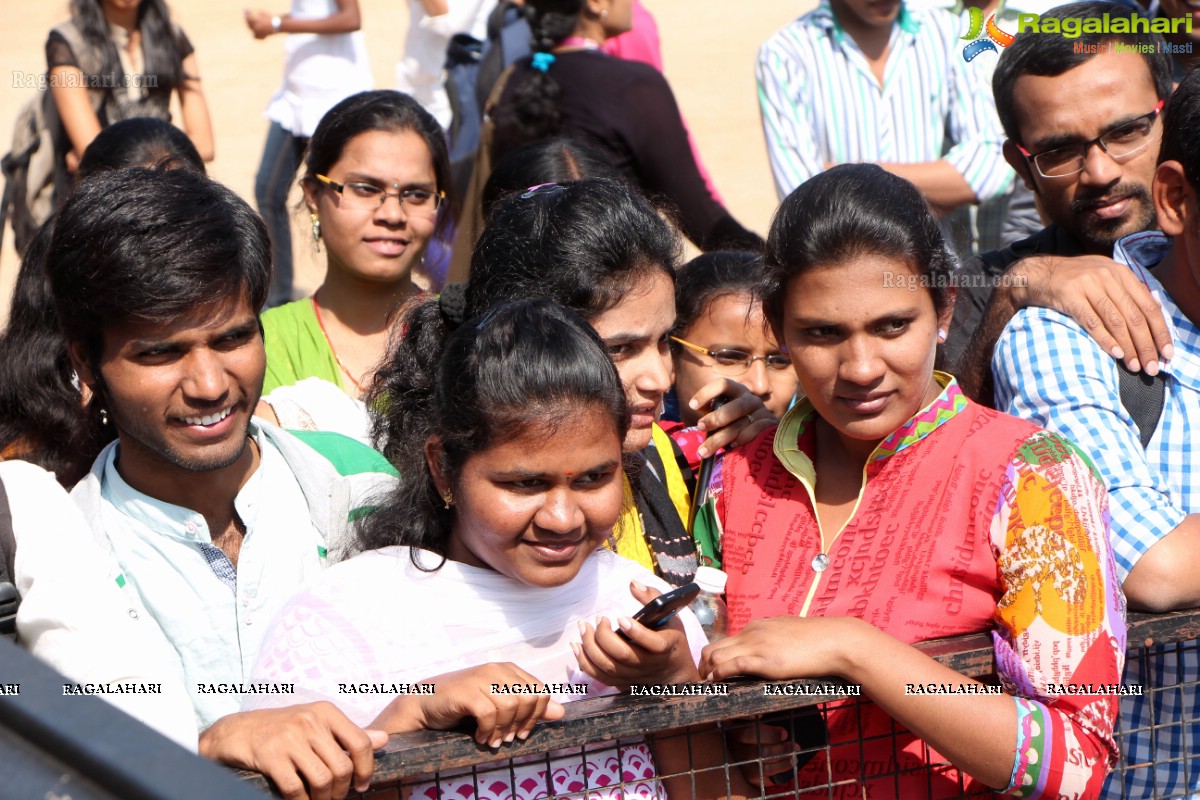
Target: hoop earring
316, 233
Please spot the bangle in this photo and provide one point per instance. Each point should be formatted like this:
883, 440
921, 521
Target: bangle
276, 24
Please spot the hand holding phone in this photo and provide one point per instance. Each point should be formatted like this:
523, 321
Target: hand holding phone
652, 652
662, 609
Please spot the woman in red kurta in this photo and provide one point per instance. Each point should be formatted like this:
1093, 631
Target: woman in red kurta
887, 509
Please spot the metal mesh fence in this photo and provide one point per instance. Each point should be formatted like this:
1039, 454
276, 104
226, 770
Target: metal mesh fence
704, 745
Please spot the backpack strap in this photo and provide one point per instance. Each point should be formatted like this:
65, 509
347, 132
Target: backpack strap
8, 544
1143, 397
9, 598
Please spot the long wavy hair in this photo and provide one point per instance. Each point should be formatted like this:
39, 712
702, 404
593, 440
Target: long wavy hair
160, 47
42, 417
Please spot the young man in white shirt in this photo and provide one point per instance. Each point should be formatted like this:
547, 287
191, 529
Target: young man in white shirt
210, 520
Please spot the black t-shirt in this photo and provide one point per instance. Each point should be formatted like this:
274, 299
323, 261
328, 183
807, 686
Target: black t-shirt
979, 275
627, 110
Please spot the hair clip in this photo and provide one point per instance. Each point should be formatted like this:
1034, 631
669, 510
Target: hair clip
541, 188
542, 61
487, 318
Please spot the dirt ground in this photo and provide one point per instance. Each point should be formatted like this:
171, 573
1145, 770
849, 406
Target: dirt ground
708, 45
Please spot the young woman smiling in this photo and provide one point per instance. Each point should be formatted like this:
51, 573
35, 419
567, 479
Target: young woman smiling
509, 454
887, 509
375, 171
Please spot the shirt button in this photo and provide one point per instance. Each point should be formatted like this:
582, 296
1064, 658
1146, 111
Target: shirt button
820, 562
190, 527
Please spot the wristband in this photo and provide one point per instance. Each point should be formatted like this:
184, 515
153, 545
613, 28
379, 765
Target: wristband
276, 24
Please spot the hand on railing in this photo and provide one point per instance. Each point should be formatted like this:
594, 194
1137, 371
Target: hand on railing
499, 717
313, 745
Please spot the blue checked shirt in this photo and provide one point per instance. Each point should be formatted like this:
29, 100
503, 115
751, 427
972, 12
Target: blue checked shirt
1049, 370
821, 103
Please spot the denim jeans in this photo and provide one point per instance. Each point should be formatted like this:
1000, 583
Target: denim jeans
281, 157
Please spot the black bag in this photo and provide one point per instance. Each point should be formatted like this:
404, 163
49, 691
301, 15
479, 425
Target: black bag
35, 178
9, 598
472, 69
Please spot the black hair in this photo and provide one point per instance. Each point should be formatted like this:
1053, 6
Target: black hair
583, 244
849, 211
711, 276
151, 245
546, 161
1180, 124
41, 407
1051, 54
42, 419
534, 111
143, 141
527, 364
163, 61
378, 110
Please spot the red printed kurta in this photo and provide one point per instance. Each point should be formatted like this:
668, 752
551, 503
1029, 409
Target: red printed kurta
968, 520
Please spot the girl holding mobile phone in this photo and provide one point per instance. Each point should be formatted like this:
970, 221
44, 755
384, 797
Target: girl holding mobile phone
486, 565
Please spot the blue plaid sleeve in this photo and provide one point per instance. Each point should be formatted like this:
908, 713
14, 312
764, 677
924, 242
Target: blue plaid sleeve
1050, 371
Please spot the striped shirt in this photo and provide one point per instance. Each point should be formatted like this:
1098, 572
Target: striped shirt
1049, 370
821, 103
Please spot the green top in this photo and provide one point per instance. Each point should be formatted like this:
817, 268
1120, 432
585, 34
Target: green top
296, 347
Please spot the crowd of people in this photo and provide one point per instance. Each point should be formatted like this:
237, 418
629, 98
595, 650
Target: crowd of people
975, 317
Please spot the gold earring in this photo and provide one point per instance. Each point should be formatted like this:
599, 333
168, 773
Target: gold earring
447, 498
316, 233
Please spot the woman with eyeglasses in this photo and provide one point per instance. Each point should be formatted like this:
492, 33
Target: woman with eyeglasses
719, 333
374, 176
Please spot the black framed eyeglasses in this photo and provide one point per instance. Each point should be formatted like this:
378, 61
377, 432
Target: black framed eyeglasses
360, 196
732, 363
1121, 142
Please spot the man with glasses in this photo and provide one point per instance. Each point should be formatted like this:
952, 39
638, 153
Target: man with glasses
1081, 117
1050, 370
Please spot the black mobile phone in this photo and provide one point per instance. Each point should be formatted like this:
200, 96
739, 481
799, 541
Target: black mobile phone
659, 611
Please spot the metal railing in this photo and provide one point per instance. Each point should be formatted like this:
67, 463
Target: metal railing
435, 764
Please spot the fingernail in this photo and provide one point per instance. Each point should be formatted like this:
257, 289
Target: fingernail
1117, 352
582, 627
639, 586
495, 745
626, 623
693, 405
702, 452
523, 735
1134, 365
510, 737
1152, 368
575, 649
1168, 351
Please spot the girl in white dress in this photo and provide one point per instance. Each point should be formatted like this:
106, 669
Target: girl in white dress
485, 570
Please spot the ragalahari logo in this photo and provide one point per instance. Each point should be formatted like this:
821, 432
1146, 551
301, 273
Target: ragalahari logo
995, 36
